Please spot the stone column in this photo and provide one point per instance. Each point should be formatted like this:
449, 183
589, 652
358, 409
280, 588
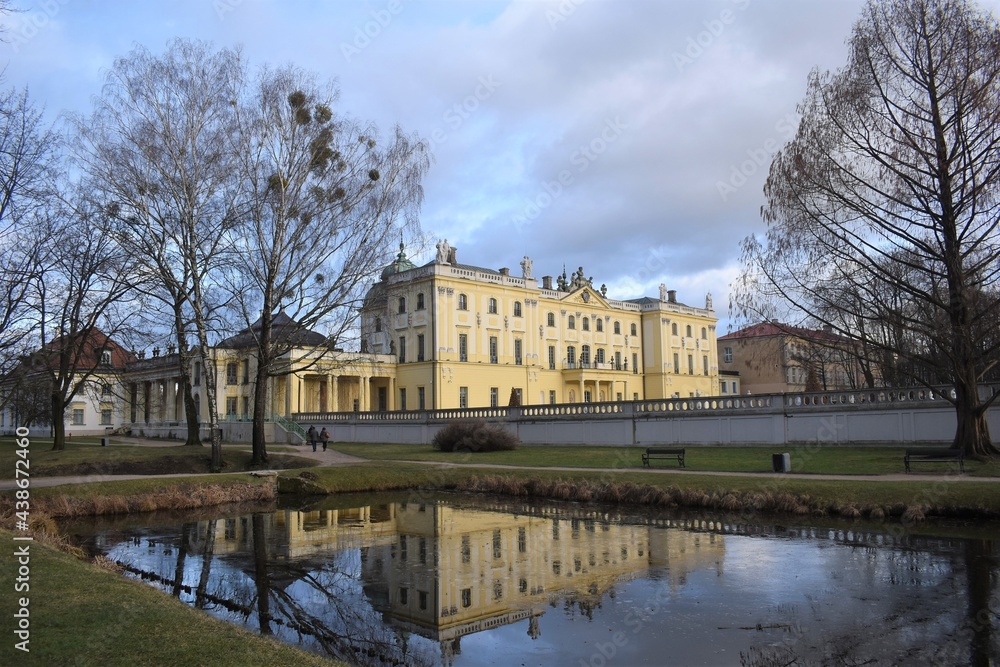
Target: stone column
333, 403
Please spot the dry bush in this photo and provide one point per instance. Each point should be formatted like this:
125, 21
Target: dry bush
474, 435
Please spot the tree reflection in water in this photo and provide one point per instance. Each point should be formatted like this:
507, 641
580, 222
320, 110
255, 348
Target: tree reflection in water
409, 583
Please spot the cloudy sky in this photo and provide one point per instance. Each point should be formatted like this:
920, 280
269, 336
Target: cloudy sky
629, 137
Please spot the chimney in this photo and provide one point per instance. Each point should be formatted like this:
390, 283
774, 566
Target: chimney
505, 271
672, 296
547, 282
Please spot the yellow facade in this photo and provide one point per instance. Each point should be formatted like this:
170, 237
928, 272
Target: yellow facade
466, 336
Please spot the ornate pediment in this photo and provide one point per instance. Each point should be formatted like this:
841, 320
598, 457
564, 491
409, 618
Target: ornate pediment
588, 296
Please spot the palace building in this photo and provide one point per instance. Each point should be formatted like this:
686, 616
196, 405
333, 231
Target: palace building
468, 336
438, 336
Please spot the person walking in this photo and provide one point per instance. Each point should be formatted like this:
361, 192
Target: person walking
324, 437
312, 437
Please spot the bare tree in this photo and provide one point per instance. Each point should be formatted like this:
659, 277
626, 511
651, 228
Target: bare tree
81, 302
896, 165
156, 152
323, 202
27, 153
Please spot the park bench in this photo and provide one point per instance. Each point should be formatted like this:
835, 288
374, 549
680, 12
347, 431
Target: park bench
655, 453
925, 455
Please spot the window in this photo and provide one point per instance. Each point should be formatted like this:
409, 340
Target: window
599, 358
403, 595
517, 309
105, 389
402, 398
420, 301
572, 323
105, 357
727, 355
378, 324
522, 541
585, 356
105, 417
633, 328
517, 351
552, 396
704, 333
492, 306
197, 373
677, 363
704, 364
552, 357
420, 347
688, 329
463, 397
724, 386
599, 324
517, 392
231, 371
551, 319
586, 324
497, 545
463, 302
570, 356
422, 598
421, 396
635, 364
618, 361
231, 406
402, 304
466, 549
246, 371
463, 347
497, 589
494, 397
690, 364
493, 350
402, 349
618, 327
466, 597
673, 328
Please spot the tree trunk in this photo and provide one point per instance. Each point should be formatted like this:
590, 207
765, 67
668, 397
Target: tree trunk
261, 578
58, 423
260, 386
973, 433
184, 368
191, 415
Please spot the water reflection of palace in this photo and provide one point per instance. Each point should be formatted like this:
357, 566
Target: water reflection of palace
444, 572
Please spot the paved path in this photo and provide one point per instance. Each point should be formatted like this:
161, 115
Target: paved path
331, 457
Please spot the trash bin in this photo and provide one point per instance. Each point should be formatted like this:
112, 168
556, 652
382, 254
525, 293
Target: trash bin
781, 462
104, 442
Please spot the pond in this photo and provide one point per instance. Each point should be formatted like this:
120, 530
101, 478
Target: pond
465, 581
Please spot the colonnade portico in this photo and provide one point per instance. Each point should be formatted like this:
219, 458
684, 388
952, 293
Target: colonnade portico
339, 392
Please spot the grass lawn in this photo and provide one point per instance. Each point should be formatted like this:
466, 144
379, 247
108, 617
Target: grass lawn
82, 615
809, 460
86, 457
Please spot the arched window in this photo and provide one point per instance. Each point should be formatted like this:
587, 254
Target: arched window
420, 301
572, 322
688, 329
402, 304
673, 328
633, 328
599, 324
704, 333
570, 355
586, 324
493, 306
378, 324
517, 309
584, 355
463, 302
552, 319
618, 327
